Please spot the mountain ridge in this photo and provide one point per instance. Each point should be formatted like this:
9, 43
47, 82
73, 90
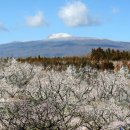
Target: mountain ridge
70, 46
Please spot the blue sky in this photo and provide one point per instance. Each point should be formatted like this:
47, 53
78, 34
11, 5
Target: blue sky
26, 20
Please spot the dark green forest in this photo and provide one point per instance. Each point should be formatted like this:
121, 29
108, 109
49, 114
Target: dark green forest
109, 54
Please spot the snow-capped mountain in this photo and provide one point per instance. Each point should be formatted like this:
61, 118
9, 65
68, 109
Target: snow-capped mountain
60, 44
59, 36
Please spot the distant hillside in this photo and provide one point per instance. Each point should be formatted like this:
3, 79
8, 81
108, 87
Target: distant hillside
73, 46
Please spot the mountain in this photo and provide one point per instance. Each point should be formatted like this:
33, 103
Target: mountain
61, 46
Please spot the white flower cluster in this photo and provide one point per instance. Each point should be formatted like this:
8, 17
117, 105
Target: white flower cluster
34, 98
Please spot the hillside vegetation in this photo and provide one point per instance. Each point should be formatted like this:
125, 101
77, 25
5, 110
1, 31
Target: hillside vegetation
98, 58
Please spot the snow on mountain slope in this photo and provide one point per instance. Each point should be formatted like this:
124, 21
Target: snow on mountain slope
59, 36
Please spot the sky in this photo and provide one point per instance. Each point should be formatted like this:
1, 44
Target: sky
28, 20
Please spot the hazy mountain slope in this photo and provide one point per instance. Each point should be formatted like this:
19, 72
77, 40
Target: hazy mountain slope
58, 47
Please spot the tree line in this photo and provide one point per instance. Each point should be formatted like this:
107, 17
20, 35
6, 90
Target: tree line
109, 54
98, 58
57, 63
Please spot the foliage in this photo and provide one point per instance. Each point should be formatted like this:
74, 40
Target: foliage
57, 63
98, 58
109, 54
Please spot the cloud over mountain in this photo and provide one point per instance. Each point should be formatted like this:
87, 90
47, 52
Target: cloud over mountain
37, 20
77, 14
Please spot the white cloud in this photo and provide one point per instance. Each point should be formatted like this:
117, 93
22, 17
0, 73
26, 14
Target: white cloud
77, 14
2, 27
115, 10
36, 20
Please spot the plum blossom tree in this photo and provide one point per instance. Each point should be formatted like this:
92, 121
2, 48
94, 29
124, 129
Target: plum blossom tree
33, 98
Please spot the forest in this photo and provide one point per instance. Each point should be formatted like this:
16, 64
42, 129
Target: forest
109, 54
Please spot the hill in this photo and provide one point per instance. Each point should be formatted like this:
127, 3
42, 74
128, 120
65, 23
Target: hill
70, 46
